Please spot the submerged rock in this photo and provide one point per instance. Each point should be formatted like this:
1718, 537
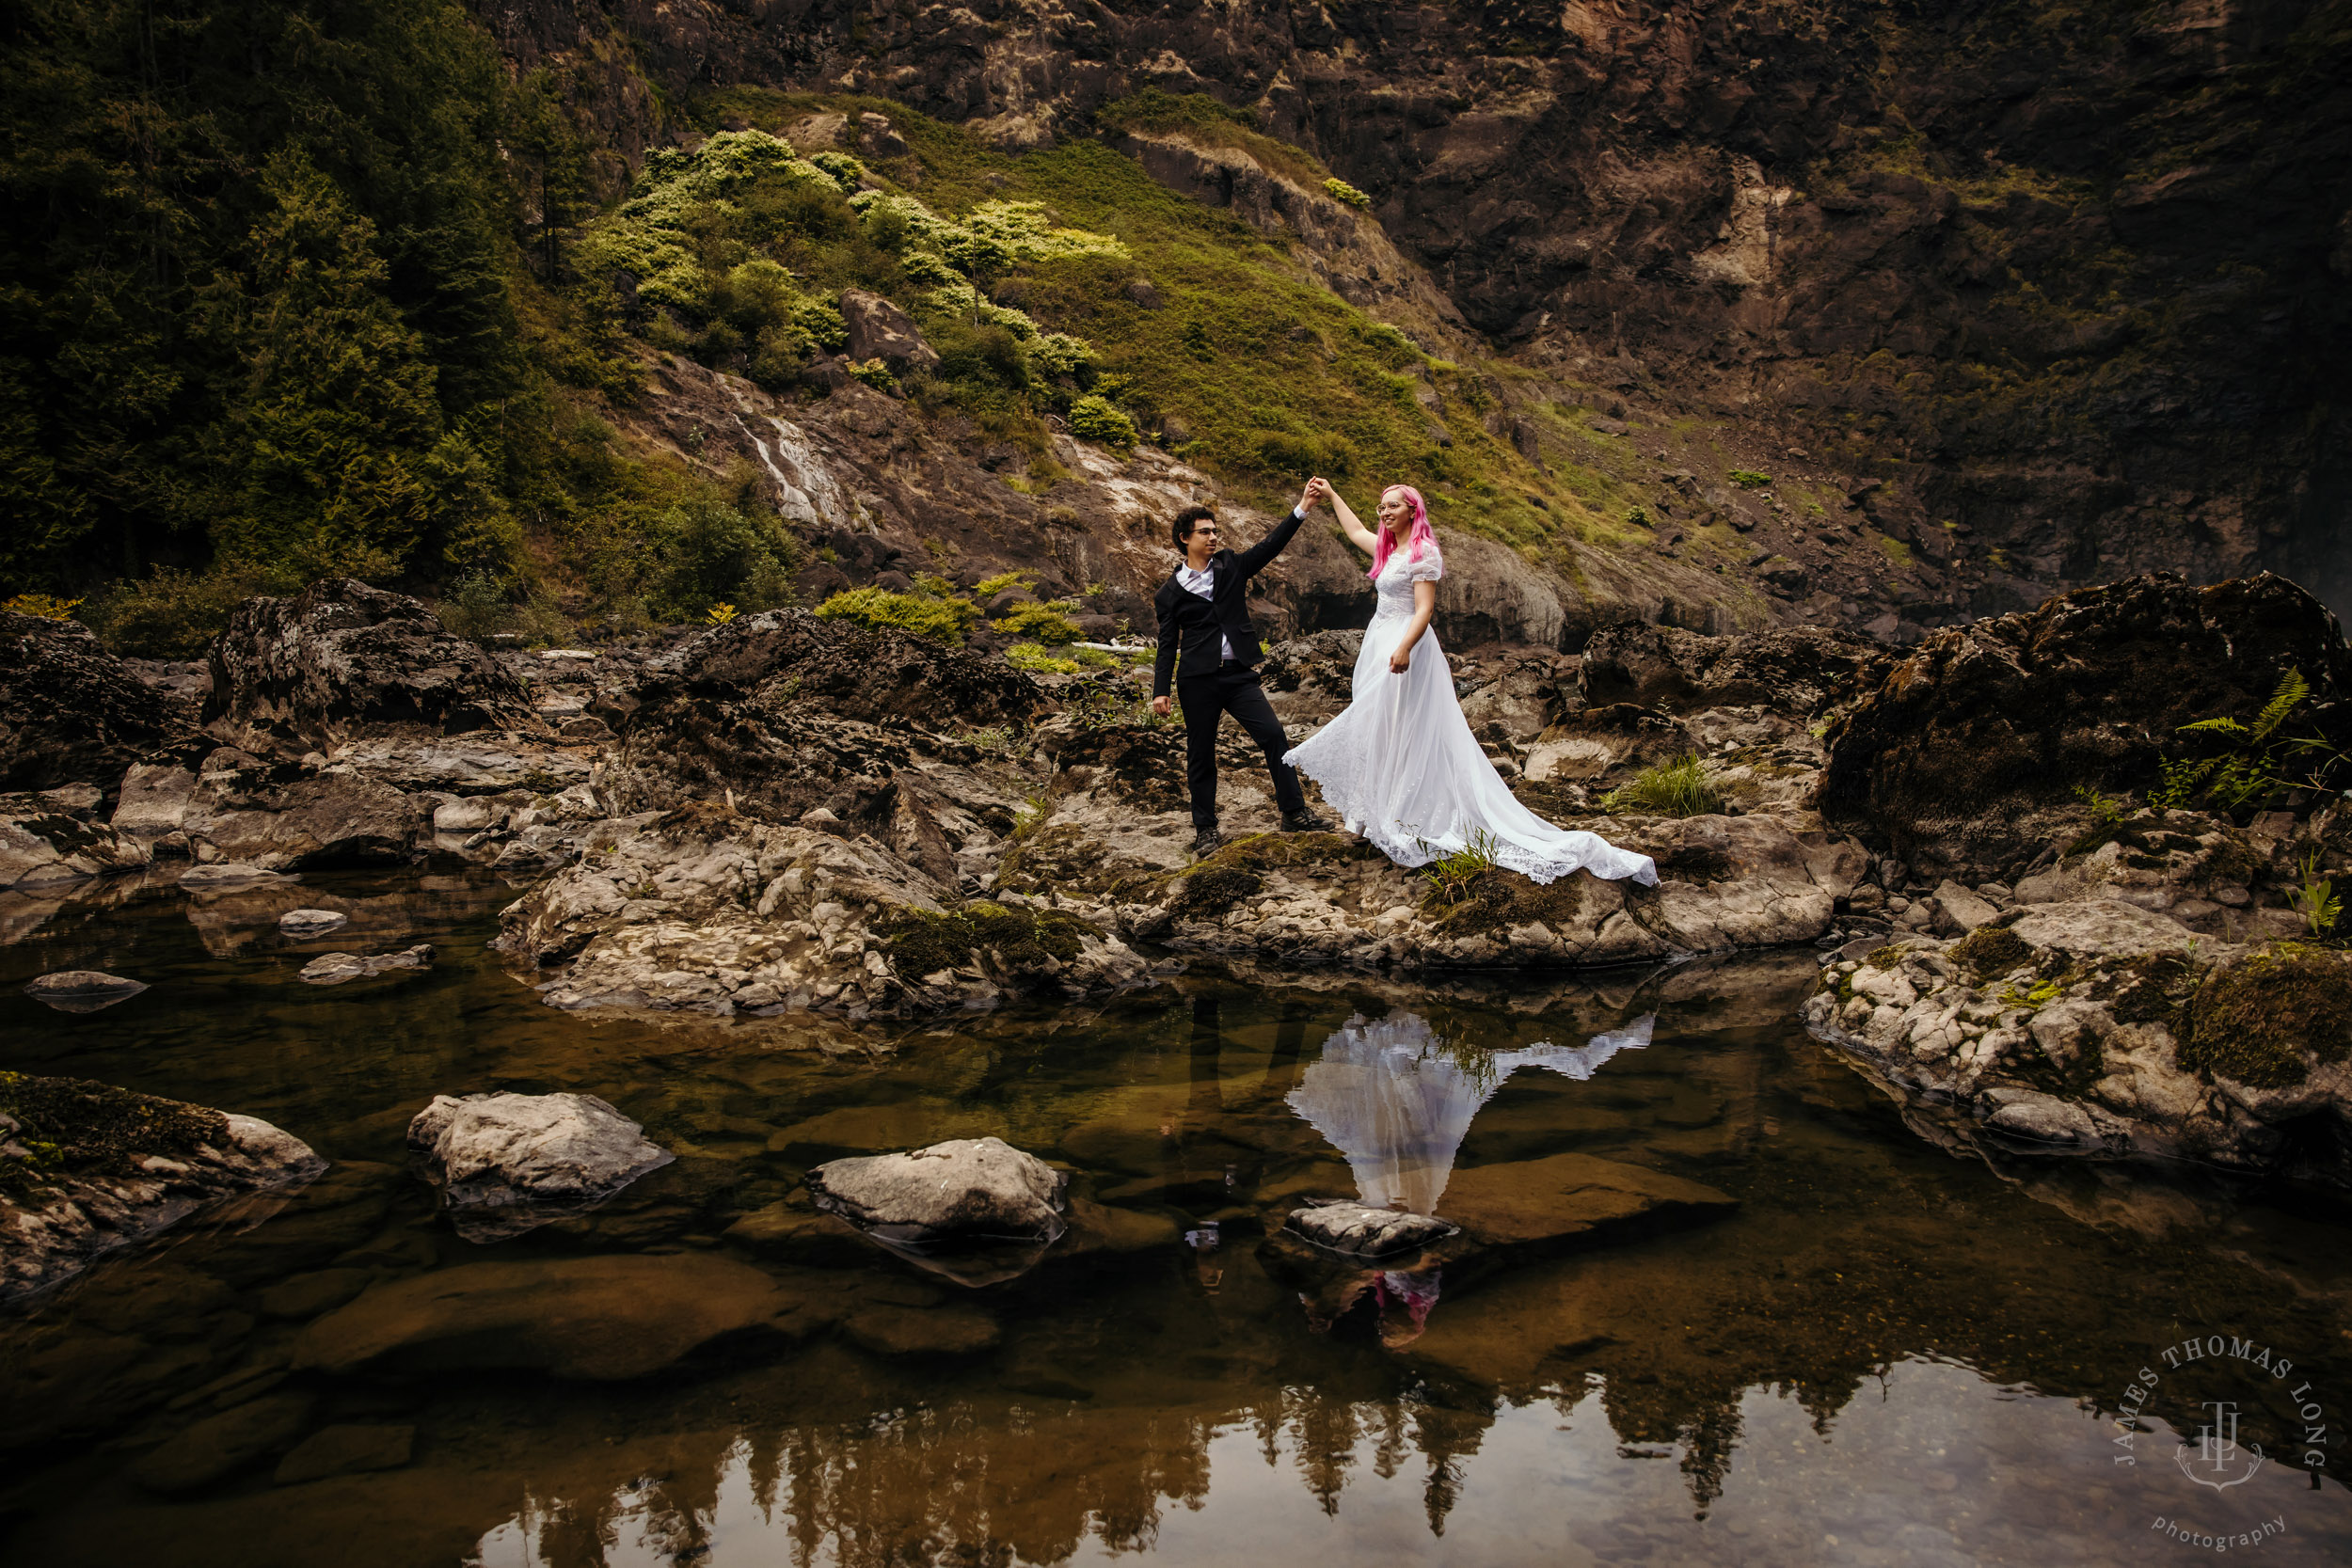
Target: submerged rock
219, 1446
341, 659
509, 1162
85, 1168
2099, 1027
83, 990
312, 923
344, 1450
961, 1190
1572, 1199
333, 968
603, 1318
1351, 1227
227, 874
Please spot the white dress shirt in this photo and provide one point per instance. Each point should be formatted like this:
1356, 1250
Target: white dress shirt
1203, 582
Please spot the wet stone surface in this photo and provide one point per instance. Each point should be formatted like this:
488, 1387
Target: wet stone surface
1709, 1293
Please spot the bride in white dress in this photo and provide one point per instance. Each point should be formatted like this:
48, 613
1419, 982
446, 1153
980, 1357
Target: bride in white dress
1400, 766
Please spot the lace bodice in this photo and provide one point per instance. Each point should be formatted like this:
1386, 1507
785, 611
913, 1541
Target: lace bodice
1395, 583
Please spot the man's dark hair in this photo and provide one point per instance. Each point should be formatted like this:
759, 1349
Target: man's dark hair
1182, 527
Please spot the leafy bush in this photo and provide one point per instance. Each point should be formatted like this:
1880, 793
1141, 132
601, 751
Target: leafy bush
173, 613
1748, 479
1034, 658
1093, 418
1042, 622
847, 172
43, 607
874, 374
1679, 788
1638, 516
939, 620
1339, 190
705, 551
987, 588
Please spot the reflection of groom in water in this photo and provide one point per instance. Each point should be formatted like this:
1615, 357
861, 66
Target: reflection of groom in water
1208, 644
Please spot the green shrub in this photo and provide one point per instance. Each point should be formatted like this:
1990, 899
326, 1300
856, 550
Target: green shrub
1678, 789
1748, 479
173, 614
1042, 622
939, 620
476, 608
847, 172
1034, 658
987, 588
702, 550
874, 374
1093, 418
1638, 516
43, 607
1339, 190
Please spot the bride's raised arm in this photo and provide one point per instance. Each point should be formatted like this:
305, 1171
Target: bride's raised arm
1356, 534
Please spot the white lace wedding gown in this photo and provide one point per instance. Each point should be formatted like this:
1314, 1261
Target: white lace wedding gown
1401, 766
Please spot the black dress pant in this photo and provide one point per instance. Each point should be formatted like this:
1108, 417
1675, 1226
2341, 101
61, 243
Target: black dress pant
1206, 699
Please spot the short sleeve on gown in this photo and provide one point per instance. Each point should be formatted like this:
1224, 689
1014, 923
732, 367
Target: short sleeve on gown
1429, 568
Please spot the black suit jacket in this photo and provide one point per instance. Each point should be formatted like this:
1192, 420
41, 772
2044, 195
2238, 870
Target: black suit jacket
1197, 627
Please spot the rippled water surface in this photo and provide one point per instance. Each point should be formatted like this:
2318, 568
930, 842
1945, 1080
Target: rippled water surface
1887, 1352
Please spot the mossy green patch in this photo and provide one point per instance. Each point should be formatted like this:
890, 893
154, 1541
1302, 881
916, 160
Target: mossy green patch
1885, 958
1499, 900
1991, 950
2258, 1018
1209, 894
918, 942
73, 1128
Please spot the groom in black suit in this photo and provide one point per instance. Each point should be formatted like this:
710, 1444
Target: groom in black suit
1208, 645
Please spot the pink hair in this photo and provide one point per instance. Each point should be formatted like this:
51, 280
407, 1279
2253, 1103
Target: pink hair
1381, 540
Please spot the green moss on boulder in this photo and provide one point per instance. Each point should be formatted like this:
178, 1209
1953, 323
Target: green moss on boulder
2265, 1019
1017, 940
75, 1127
1991, 950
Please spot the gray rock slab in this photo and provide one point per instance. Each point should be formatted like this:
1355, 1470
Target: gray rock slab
83, 990
965, 1189
312, 923
1367, 1232
333, 968
528, 1158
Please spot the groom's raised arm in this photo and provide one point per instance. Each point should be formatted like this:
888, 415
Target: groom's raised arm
1252, 561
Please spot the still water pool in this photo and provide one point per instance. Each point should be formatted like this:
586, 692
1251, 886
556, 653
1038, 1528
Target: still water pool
1887, 1351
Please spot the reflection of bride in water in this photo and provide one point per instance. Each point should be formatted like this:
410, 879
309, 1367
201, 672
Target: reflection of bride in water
1397, 1100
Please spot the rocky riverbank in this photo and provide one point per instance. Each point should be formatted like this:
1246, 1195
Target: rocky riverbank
792, 814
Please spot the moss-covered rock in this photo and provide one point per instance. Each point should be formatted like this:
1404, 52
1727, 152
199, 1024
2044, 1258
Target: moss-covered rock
1499, 900
73, 1128
1992, 950
1015, 940
1211, 891
2267, 1019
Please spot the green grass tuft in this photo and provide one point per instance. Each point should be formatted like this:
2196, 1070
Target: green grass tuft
1679, 788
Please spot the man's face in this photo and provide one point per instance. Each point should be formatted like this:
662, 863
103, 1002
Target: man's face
1203, 537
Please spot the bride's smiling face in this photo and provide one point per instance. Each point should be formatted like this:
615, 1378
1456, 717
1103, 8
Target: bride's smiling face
1397, 515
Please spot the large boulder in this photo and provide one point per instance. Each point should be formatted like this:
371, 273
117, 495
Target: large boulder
880, 330
2101, 1028
1798, 672
85, 1168
965, 1189
508, 1163
73, 713
45, 842
601, 1319
341, 660
787, 710
1967, 757
702, 909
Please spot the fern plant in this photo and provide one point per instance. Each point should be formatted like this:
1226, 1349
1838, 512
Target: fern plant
2252, 768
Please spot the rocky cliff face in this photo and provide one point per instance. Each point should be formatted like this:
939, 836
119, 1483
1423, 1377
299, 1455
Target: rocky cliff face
2054, 295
